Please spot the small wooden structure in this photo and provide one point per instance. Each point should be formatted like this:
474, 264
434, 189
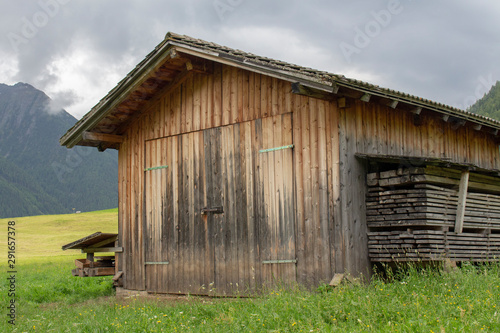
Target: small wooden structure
92, 265
236, 171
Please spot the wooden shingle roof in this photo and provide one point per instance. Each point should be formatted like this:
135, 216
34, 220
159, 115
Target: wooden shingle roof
178, 54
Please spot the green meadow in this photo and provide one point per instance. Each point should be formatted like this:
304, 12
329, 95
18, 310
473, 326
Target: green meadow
411, 299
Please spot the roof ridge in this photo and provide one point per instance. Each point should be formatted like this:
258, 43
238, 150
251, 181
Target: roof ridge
322, 80
307, 71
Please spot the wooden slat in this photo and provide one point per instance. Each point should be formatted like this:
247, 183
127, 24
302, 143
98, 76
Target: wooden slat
425, 206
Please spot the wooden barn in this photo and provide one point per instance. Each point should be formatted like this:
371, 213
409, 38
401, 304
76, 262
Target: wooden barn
237, 171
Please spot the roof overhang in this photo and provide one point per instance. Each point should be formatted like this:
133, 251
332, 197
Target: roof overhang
95, 240
176, 57
418, 161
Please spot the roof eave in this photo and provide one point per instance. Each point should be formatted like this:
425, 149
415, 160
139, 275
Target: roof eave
116, 96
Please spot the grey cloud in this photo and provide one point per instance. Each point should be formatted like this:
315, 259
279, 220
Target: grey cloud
436, 50
61, 100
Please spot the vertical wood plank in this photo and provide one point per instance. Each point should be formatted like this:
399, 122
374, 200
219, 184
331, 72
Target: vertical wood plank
266, 98
190, 191
245, 96
217, 96
315, 227
227, 92
197, 101
176, 199
324, 273
251, 96
237, 96
287, 170
251, 245
259, 212
277, 193
308, 222
275, 102
267, 232
462, 201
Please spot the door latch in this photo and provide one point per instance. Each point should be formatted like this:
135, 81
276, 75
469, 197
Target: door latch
213, 210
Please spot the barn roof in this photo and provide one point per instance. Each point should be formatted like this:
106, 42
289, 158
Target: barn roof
177, 55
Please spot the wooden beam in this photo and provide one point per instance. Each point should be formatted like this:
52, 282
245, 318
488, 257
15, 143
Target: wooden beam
117, 276
393, 104
335, 88
174, 54
102, 249
462, 201
417, 111
104, 242
198, 66
337, 279
99, 271
456, 123
342, 102
108, 138
300, 89
366, 97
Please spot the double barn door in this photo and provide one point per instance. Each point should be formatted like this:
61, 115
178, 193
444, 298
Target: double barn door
219, 209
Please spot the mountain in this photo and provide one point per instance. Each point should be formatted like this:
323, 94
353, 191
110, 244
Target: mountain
489, 105
37, 175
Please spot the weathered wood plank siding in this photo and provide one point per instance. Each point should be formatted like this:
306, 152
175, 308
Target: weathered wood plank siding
304, 203
282, 201
130, 227
375, 129
316, 194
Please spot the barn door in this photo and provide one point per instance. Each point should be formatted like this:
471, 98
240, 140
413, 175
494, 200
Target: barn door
179, 254
220, 209
276, 200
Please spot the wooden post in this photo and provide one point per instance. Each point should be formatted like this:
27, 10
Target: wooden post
462, 200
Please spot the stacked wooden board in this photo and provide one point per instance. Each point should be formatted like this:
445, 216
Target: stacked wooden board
101, 266
411, 215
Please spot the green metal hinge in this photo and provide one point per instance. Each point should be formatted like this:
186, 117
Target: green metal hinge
157, 263
157, 168
275, 149
290, 261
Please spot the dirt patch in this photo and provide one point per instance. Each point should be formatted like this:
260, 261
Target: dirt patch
157, 299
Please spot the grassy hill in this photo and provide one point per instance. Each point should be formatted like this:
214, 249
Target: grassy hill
489, 105
44, 235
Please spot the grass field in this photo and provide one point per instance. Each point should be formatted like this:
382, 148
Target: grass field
43, 236
49, 299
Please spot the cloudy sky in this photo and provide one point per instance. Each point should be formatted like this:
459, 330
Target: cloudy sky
77, 50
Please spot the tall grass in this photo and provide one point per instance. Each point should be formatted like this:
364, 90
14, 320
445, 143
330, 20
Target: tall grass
410, 299
51, 281
407, 300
